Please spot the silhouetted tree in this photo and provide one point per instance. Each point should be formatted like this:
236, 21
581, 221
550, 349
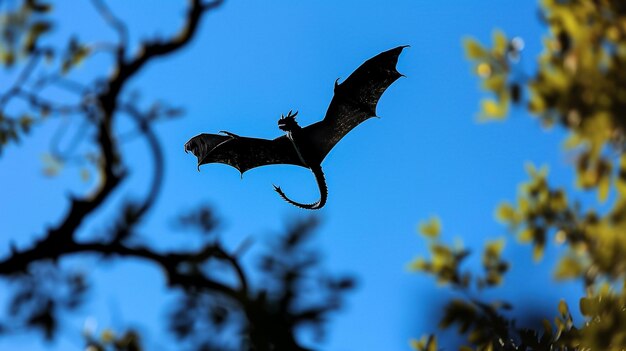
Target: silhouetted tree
210, 314
579, 85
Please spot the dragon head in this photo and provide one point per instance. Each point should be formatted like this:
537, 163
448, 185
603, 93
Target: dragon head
288, 123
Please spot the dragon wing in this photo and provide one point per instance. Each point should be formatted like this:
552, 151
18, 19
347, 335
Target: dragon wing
354, 100
241, 152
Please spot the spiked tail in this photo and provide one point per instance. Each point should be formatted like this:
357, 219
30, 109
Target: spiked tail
321, 184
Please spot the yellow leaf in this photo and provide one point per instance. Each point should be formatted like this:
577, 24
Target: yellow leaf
107, 336
523, 205
559, 325
604, 185
473, 49
588, 306
442, 257
432, 344
484, 71
422, 343
526, 235
491, 109
494, 247
506, 213
536, 104
557, 80
558, 201
572, 141
534, 172
563, 310
416, 344
419, 264
500, 43
537, 252
605, 290
530, 169
36, 30
431, 228
494, 83
596, 131
613, 33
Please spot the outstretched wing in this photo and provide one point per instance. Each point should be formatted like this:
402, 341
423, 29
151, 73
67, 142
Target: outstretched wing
355, 100
241, 152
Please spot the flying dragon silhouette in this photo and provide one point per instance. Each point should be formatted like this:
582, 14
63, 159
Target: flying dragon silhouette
354, 101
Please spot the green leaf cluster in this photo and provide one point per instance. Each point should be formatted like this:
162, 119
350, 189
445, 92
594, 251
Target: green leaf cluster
493, 66
595, 244
580, 82
445, 261
579, 85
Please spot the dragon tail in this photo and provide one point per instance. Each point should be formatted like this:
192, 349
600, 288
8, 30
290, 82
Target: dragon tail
321, 184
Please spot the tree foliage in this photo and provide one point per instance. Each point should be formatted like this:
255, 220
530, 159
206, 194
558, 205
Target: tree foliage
216, 309
579, 85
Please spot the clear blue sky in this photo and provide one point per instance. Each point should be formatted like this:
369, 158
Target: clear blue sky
252, 61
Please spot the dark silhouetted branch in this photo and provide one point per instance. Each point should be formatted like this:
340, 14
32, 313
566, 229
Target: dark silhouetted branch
57, 239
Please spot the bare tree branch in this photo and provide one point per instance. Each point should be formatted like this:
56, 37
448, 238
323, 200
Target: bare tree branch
268, 316
113, 171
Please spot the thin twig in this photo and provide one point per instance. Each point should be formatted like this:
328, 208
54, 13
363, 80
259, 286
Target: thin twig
116, 24
21, 78
77, 138
48, 106
60, 81
157, 155
60, 239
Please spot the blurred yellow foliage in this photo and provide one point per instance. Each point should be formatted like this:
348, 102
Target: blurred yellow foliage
426, 343
580, 85
431, 228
